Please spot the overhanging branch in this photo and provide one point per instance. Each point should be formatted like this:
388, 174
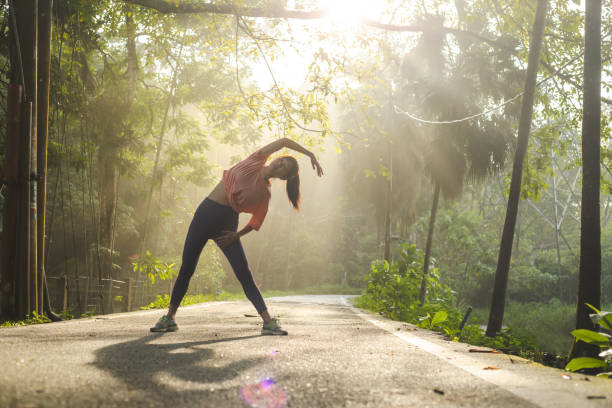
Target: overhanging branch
183, 7
178, 7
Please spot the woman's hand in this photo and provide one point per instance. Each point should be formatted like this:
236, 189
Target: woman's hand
316, 165
227, 238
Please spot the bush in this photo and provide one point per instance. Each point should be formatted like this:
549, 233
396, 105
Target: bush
393, 291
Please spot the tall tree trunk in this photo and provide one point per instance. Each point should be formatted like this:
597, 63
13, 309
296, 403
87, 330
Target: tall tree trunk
32, 68
44, 80
589, 278
24, 300
498, 302
23, 19
389, 206
132, 59
557, 223
430, 232
158, 150
107, 184
387, 242
108, 156
8, 270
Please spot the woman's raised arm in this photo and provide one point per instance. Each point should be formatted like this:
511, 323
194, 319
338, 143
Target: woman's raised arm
286, 142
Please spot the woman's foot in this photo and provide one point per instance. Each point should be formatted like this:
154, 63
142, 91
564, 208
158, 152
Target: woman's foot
165, 324
272, 328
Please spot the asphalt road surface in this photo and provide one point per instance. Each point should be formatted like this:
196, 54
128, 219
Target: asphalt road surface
334, 356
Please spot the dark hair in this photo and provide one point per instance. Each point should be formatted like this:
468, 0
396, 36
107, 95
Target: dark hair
293, 184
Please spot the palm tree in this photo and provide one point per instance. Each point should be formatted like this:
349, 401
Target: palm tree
472, 148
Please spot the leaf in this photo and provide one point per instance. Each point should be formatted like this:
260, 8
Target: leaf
439, 317
591, 337
584, 362
593, 307
603, 319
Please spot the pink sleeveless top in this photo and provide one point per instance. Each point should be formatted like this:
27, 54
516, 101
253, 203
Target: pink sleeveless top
246, 188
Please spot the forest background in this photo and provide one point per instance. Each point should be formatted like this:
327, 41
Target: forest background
148, 107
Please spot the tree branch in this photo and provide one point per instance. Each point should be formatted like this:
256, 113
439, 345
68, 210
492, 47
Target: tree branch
179, 7
165, 6
169, 7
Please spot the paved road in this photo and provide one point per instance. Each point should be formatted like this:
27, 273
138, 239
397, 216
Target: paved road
334, 356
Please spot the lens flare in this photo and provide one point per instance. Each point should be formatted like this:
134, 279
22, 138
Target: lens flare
264, 394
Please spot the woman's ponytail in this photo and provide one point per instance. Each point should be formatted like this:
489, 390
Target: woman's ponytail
293, 190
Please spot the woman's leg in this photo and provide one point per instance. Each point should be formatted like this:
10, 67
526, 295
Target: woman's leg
198, 234
237, 259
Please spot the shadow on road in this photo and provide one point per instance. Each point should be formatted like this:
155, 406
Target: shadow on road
155, 368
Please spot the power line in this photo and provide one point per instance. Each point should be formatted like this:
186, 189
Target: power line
465, 119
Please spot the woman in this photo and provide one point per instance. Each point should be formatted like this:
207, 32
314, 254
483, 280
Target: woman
244, 188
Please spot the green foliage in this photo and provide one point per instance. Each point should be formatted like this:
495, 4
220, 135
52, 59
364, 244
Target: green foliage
591, 337
546, 324
393, 289
581, 363
430, 322
33, 318
601, 340
393, 292
153, 267
466, 246
603, 319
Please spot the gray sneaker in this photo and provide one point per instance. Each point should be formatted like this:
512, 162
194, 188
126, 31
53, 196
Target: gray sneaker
272, 328
165, 324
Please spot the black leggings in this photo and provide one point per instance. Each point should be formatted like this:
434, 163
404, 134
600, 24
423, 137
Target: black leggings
209, 220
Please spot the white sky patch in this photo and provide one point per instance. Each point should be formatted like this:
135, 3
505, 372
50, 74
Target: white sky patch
291, 68
350, 13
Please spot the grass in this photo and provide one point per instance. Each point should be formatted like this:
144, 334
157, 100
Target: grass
163, 302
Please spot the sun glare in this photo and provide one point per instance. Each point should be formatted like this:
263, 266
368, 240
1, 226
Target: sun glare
352, 12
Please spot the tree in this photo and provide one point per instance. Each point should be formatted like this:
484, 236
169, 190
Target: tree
19, 273
498, 301
589, 280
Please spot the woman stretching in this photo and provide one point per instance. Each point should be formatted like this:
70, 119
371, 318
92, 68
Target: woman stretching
244, 188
